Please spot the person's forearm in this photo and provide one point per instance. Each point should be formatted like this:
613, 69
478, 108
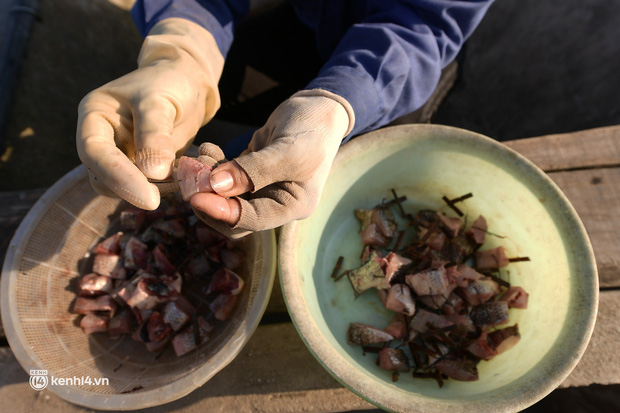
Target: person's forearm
389, 64
219, 17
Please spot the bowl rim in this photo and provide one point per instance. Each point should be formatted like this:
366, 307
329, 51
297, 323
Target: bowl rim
336, 365
130, 401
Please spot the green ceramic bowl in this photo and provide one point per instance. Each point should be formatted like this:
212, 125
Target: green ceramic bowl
426, 162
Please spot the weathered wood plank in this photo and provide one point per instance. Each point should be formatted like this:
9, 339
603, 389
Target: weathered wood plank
601, 362
260, 378
595, 195
598, 147
273, 372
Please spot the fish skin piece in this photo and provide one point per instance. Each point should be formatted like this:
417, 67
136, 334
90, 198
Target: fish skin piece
224, 280
177, 313
516, 297
363, 334
399, 300
110, 265
397, 327
505, 338
419, 323
481, 348
394, 262
490, 314
367, 276
85, 305
491, 259
480, 291
393, 359
222, 305
94, 323
109, 245
185, 341
429, 282
478, 230
462, 370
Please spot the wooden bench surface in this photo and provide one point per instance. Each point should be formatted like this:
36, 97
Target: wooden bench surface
585, 165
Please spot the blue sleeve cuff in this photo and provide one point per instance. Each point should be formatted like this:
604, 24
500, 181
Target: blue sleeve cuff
359, 90
218, 17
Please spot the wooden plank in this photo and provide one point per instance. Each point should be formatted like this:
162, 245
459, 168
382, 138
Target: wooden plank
273, 372
595, 195
261, 378
598, 147
600, 363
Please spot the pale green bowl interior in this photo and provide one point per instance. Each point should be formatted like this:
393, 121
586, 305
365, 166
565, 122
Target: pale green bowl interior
519, 202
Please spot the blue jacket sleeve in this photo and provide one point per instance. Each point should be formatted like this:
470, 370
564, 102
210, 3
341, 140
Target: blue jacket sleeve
389, 63
217, 16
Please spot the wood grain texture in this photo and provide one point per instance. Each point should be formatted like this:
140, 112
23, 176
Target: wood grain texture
600, 363
595, 195
591, 148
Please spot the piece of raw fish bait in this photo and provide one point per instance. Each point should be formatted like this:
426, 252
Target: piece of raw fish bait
481, 347
458, 369
367, 276
450, 225
394, 262
185, 341
161, 260
121, 323
490, 314
429, 282
397, 327
151, 291
425, 319
110, 265
516, 297
491, 259
222, 305
224, 280
85, 305
177, 313
94, 323
157, 328
480, 291
193, 176
363, 334
135, 254
504, 339
393, 359
109, 245
478, 230
93, 284
399, 300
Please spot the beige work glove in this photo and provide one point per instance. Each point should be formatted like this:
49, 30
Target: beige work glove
284, 169
132, 128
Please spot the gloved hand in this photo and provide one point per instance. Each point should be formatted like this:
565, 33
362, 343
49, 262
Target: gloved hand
151, 114
284, 168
